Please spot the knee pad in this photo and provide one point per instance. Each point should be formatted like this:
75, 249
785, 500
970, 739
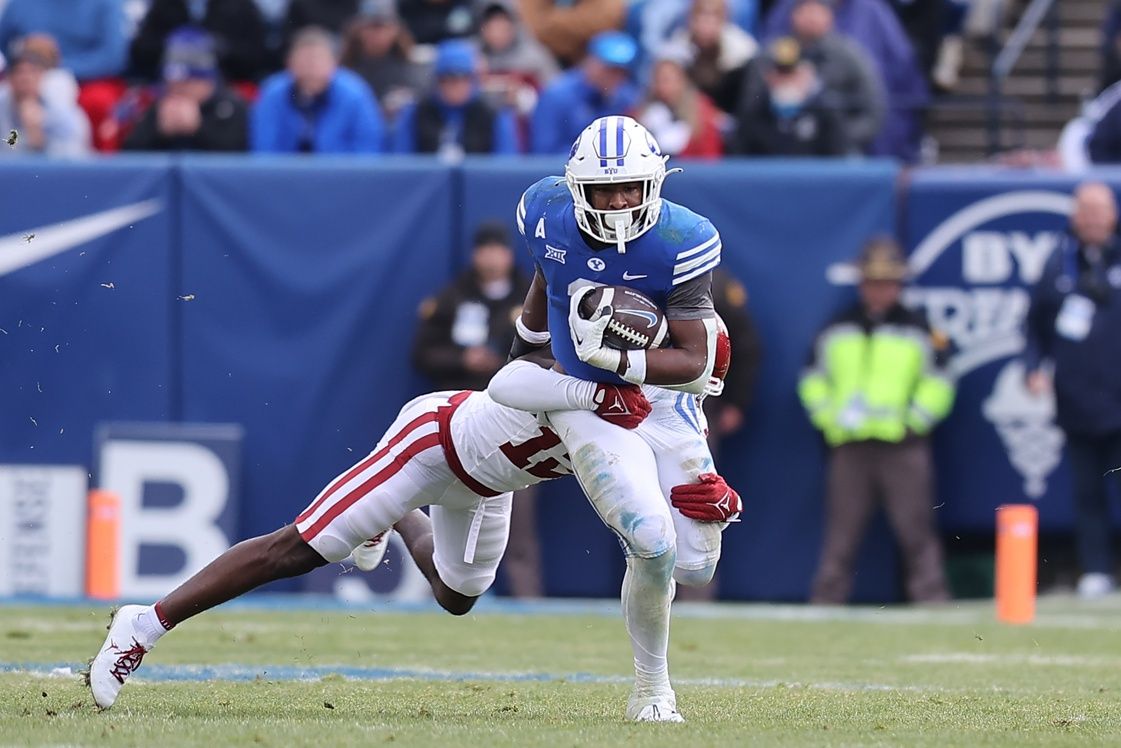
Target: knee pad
694, 577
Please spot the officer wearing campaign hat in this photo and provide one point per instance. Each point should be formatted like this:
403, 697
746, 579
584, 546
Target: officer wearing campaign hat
877, 383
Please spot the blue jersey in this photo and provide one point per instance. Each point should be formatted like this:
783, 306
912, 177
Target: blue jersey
680, 247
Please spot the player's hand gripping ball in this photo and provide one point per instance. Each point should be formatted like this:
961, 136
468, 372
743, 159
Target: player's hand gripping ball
635, 322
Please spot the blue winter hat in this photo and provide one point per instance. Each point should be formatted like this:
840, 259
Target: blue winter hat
189, 53
613, 48
456, 57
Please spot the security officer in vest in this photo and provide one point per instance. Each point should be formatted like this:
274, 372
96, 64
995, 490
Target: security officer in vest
1074, 324
455, 118
876, 385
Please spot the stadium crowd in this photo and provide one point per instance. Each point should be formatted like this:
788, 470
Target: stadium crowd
710, 78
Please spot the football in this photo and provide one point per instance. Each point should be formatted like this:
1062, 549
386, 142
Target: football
636, 321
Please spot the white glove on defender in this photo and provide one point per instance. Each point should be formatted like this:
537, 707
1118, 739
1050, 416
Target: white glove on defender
587, 334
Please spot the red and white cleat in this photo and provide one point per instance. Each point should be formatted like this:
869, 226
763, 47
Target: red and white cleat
368, 556
119, 657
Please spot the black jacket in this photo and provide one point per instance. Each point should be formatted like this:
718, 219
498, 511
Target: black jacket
730, 299
438, 354
1087, 371
817, 130
236, 25
224, 127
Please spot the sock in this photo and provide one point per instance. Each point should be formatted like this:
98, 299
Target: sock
647, 593
151, 625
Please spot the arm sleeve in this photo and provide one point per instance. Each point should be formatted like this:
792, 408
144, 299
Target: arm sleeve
525, 386
109, 56
1039, 324
934, 392
692, 299
545, 132
368, 131
264, 123
505, 133
145, 135
814, 388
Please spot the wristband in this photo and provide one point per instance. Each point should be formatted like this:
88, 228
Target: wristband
531, 336
636, 367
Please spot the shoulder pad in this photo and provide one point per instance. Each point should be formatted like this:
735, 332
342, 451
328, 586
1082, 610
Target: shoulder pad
532, 198
700, 252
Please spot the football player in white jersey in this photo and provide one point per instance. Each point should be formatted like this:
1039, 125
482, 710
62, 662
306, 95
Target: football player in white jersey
461, 454
606, 223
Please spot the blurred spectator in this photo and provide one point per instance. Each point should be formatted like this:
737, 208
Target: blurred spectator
1074, 326
1111, 46
45, 119
432, 21
683, 120
566, 27
464, 335
465, 332
718, 51
873, 26
924, 23
313, 106
455, 119
58, 84
378, 48
794, 115
1101, 128
508, 49
195, 111
726, 414
237, 27
330, 15
652, 22
876, 385
90, 33
599, 87
844, 67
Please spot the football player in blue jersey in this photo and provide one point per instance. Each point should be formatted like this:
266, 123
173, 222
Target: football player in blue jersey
605, 223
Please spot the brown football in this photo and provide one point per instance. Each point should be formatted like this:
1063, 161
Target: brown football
636, 321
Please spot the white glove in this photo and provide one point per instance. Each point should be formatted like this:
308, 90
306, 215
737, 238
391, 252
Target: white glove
587, 334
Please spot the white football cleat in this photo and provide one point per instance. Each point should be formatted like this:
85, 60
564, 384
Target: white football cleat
119, 657
660, 706
368, 556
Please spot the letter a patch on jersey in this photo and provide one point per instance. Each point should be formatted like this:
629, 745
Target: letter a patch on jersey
539, 232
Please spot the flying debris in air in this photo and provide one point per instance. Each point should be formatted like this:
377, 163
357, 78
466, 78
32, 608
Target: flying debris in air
108, 285
188, 297
13, 136
28, 237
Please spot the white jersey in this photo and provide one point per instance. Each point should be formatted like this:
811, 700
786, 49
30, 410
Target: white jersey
501, 448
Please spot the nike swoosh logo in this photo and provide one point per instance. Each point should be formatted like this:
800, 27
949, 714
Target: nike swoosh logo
53, 239
628, 277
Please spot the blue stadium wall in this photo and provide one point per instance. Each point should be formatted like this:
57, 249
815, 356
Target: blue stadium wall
280, 294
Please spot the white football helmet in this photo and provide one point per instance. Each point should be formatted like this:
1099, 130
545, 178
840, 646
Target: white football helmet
611, 150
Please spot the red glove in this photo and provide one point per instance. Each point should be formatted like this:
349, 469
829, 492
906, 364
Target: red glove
621, 404
710, 500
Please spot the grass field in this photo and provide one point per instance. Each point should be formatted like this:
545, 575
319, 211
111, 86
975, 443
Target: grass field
558, 675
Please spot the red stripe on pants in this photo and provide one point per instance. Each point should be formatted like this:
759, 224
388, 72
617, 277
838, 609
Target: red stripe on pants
367, 463
425, 442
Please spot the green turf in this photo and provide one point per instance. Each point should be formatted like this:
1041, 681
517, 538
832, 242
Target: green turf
941, 677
